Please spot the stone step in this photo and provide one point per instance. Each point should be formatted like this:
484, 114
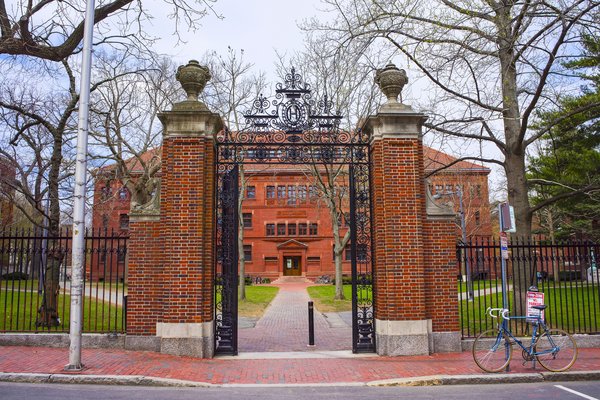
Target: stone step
290, 279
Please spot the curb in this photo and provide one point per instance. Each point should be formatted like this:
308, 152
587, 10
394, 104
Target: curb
478, 379
130, 380
433, 380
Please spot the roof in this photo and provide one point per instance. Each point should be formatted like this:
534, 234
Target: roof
435, 159
133, 163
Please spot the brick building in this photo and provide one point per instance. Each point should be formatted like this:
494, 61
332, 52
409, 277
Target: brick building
7, 175
471, 180
110, 216
287, 226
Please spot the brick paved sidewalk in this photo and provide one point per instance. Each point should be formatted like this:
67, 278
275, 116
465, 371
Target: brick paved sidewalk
258, 371
284, 326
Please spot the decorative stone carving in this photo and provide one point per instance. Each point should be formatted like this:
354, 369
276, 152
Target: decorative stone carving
193, 78
434, 209
391, 80
151, 208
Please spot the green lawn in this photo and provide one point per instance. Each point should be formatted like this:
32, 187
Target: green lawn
571, 309
18, 313
477, 285
257, 300
323, 295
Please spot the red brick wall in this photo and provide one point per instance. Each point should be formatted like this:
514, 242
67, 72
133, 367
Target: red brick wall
146, 277
440, 275
399, 207
186, 214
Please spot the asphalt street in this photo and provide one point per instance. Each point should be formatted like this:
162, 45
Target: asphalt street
589, 390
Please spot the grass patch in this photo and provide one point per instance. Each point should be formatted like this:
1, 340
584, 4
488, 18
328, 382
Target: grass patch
257, 300
477, 285
323, 295
575, 309
18, 312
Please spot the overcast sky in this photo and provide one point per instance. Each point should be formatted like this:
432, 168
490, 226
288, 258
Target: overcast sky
259, 27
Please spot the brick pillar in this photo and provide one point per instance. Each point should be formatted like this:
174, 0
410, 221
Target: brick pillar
171, 269
145, 274
187, 206
403, 234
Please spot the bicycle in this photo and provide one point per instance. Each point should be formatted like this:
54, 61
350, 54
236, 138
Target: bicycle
554, 349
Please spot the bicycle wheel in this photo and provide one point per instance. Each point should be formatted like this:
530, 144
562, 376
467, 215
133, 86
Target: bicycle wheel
491, 352
560, 350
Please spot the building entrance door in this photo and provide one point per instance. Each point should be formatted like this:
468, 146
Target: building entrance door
291, 266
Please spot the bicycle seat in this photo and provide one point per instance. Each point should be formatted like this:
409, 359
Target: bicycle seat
541, 308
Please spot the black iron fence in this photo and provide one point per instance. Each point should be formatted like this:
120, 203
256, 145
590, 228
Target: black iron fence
566, 272
35, 281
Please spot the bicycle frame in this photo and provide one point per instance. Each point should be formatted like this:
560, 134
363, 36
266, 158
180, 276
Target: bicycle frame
538, 321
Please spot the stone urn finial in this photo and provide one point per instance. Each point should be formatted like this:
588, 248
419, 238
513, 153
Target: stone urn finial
391, 80
193, 78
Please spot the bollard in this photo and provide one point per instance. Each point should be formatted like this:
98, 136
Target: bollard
311, 324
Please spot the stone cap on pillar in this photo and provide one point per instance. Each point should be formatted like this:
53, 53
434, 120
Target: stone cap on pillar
393, 119
191, 117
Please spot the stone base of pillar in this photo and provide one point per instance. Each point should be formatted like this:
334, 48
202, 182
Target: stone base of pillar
447, 342
142, 343
403, 338
186, 339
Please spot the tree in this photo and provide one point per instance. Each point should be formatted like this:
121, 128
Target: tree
37, 126
568, 160
38, 133
124, 130
53, 29
490, 65
231, 91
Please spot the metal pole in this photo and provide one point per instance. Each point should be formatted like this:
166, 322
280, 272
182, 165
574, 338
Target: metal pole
503, 265
311, 324
463, 228
79, 201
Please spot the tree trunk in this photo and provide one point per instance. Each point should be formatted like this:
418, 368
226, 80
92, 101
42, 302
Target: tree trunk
48, 312
514, 153
338, 251
555, 271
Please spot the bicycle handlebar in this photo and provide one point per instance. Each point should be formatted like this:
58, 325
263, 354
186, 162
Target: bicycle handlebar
500, 311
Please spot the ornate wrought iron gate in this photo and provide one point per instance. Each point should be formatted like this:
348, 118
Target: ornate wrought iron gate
293, 129
226, 285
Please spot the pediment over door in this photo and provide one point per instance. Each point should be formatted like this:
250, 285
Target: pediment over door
292, 244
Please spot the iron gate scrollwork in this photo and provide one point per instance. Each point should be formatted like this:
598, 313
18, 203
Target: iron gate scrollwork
293, 129
227, 256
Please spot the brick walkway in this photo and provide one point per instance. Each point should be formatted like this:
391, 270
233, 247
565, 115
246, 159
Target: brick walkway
284, 326
258, 371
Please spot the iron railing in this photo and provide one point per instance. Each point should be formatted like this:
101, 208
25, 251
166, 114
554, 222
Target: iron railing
24, 260
566, 272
